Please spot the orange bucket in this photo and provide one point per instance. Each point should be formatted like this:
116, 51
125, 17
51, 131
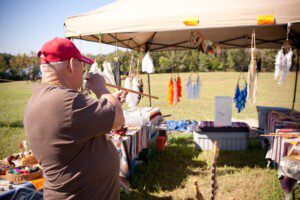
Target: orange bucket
160, 143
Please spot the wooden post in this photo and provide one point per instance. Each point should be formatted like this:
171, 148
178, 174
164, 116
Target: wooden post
214, 184
296, 80
198, 195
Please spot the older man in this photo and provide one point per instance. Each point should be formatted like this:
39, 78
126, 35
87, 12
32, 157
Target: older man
67, 130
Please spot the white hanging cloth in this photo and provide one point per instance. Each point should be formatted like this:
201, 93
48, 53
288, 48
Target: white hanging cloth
147, 64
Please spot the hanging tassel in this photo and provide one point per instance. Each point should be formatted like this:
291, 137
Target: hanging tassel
170, 92
252, 72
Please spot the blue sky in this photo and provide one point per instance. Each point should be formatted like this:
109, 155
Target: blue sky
25, 25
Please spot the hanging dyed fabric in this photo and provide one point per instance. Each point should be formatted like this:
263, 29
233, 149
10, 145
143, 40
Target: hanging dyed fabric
133, 82
252, 72
175, 96
283, 63
240, 96
170, 92
179, 88
193, 88
117, 72
136, 84
108, 74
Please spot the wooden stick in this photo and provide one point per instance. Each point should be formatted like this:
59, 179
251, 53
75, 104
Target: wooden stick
280, 135
129, 90
198, 195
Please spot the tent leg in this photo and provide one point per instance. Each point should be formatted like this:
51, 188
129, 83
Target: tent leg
149, 89
296, 80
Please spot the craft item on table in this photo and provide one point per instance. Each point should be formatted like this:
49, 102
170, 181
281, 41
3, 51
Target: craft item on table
140, 116
223, 111
170, 92
283, 63
279, 145
21, 149
278, 120
185, 126
29, 159
252, 72
193, 88
240, 96
13, 160
134, 83
25, 145
117, 71
122, 131
288, 174
147, 64
133, 119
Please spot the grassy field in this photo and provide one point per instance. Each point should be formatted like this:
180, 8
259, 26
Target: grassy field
241, 175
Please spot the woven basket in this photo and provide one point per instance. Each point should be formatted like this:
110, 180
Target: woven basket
28, 160
24, 177
3, 171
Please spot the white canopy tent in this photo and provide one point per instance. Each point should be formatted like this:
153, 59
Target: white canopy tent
157, 25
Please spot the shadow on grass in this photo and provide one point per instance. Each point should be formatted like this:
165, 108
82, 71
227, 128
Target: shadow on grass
166, 171
253, 157
15, 124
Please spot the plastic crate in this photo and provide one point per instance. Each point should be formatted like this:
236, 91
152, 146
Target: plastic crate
263, 113
228, 141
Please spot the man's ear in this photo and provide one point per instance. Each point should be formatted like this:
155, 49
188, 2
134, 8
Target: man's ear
72, 66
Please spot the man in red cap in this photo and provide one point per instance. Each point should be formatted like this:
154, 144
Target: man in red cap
67, 130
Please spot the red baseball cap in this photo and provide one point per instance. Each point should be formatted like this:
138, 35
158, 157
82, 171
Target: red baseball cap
61, 49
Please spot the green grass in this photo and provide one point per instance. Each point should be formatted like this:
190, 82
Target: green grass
170, 175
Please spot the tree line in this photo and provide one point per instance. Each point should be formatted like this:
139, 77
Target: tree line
17, 67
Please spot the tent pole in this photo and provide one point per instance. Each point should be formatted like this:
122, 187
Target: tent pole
149, 89
296, 80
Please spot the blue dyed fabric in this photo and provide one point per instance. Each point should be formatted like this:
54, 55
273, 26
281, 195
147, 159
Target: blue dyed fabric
186, 126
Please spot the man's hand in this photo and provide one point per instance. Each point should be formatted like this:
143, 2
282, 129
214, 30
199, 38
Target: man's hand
120, 95
96, 83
